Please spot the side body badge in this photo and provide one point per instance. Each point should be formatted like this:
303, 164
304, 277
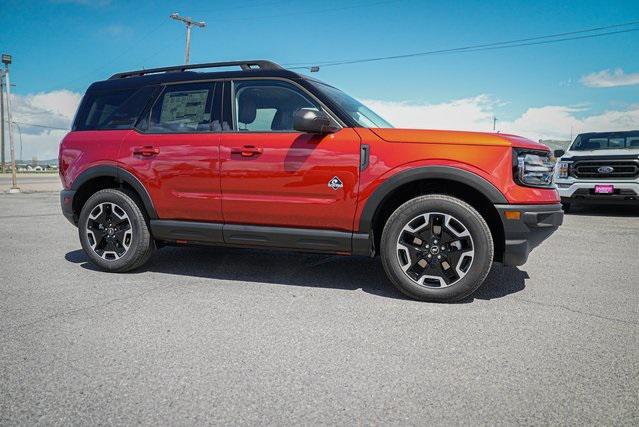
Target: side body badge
335, 183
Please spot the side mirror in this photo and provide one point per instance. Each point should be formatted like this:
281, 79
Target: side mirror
312, 121
559, 153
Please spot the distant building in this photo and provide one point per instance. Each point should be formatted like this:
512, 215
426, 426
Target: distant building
49, 166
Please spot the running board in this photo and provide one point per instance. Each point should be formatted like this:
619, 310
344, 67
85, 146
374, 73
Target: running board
302, 239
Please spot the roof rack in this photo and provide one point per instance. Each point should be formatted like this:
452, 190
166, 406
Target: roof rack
244, 65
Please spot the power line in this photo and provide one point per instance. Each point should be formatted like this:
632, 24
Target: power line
110, 62
589, 30
262, 17
530, 41
37, 125
219, 21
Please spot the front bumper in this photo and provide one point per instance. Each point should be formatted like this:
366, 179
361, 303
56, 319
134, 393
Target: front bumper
535, 224
66, 203
626, 192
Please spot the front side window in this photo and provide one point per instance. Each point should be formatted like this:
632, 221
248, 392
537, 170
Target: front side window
268, 105
185, 108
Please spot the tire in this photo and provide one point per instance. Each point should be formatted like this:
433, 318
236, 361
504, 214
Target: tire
565, 206
124, 245
464, 246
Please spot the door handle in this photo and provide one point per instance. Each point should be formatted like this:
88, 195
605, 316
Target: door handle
247, 150
146, 151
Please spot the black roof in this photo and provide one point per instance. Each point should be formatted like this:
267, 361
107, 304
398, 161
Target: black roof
137, 78
182, 73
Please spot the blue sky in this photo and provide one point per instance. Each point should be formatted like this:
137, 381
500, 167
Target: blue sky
68, 44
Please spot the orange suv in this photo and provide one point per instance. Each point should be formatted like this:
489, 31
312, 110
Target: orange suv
260, 156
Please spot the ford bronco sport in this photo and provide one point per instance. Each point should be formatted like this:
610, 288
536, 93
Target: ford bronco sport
260, 156
599, 167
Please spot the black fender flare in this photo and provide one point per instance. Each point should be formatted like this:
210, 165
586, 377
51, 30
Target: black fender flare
421, 173
120, 175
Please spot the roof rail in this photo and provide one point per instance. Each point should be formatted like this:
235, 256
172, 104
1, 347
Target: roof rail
244, 65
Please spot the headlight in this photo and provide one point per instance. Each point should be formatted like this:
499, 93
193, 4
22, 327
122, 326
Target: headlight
563, 169
533, 168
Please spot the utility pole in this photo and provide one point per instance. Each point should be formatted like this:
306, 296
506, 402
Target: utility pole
6, 60
189, 23
2, 121
494, 123
20, 133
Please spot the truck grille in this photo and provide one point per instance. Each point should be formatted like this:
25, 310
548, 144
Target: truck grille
627, 169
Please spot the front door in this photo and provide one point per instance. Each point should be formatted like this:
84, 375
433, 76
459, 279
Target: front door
175, 153
274, 176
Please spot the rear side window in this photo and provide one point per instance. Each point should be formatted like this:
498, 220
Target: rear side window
186, 108
111, 110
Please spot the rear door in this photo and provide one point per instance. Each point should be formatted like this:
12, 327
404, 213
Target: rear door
273, 175
175, 152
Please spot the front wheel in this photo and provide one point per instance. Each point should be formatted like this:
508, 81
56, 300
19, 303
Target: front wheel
114, 231
437, 248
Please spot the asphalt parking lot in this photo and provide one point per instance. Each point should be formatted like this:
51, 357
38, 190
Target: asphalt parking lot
32, 182
229, 336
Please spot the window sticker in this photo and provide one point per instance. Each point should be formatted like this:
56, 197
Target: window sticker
184, 106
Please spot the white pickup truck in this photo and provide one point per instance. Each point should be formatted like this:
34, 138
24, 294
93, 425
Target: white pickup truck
601, 167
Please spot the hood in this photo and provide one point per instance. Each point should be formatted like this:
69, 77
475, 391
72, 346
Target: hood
625, 152
424, 136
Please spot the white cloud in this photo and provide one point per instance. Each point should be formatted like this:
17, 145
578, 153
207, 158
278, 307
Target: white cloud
54, 109
606, 78
462, 114
555, 122
476, 113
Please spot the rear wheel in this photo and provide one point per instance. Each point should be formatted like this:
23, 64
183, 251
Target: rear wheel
437, 248
114, 231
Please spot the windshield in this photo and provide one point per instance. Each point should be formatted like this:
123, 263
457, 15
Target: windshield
606, 141
364, 116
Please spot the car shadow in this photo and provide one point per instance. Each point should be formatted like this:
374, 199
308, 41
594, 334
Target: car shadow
604, 210
298, 269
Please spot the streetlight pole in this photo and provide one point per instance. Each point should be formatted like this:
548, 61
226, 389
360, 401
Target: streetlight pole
6, 60
189, 23
187, 50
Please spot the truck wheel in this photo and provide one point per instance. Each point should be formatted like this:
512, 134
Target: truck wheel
436, 248
114, 231
565, 206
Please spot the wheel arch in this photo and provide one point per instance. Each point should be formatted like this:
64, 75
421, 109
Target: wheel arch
106, 176
466, 186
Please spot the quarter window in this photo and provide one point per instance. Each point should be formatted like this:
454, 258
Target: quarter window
268, 105
112, 110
